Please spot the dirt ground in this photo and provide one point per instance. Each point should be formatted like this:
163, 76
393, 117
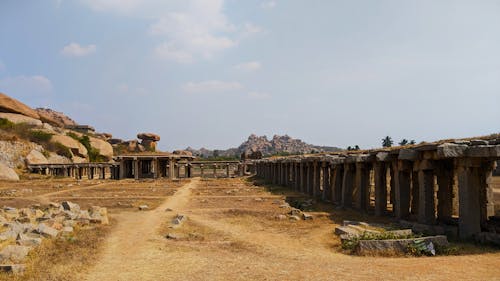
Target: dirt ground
232, 233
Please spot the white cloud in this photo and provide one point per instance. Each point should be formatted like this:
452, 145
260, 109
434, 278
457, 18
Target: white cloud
211, 86
268, 5
258, 96
75, 50
198, 32
249, 66
250, 28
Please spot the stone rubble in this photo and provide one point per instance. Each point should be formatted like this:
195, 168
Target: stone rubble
25, 228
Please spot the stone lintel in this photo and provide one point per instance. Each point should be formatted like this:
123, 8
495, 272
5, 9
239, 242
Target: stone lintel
481, 151
407, 154
451, 150
423, 165
468, 162
383, 156
403, 165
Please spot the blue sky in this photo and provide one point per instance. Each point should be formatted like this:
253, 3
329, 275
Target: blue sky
211, 72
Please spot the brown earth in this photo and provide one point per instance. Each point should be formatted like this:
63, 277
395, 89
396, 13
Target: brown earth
232, 234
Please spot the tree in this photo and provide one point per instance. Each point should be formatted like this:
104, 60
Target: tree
412, 142
387, 141
352, 148
403, 142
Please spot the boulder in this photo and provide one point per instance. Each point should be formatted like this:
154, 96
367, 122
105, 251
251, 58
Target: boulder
11, 105
105, 148
398, 245
148, 140
75, 146
13, 268
36, 157
7, 173
70, 206
54, 118
19, 118
46, 231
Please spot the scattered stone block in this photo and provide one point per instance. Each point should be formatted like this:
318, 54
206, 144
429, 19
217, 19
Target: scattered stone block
69, 206
14, 253
143, 207
173, 236
280, 217
306, 216
25, 240
178, 219
294, 218
13, 268
398, 245
46, 231
295, 212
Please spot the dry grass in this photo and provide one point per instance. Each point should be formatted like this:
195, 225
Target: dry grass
63, 258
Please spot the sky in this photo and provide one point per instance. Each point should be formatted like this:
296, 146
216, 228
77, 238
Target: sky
208, 73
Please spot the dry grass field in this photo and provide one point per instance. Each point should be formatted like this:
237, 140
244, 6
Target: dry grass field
231, 233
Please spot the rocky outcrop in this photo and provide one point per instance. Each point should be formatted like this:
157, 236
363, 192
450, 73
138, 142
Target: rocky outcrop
36, 157
278, 144
19, 118
105, 149
55, 118
183, 152
148, 140
75, 146
7, 173
11, 105
13, 153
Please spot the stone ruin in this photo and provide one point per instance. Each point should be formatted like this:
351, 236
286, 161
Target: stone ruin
148, 140
24, 229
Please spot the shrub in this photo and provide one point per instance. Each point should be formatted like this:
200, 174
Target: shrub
63, 150
39, 136
5, 124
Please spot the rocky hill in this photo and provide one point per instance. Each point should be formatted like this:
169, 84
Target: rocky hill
277, 145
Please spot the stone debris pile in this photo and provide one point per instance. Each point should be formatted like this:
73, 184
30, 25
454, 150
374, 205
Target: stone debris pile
25, 228
363, 238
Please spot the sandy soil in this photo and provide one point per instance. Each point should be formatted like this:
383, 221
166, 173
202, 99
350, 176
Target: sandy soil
232, 234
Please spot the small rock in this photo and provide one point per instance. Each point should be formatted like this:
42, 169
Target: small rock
24, 240
67, 229
143, 207
280, 217
294, 218
306, 216
46, 231
69, 206
14, 253
13, 268
258, 199
168, 210
295, 212
173, 236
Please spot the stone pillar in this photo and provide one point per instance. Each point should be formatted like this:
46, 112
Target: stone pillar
362, 183
414, 193
327, 191
402, 188
227, 170
316, 179
347, 185
310, 178
486, 194
296, 177
426, 210
215, 171
171, 168
469, 182
201, 170
338, 178
380, 174
444, 175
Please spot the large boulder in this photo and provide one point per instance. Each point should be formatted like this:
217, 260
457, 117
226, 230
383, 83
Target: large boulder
7, 173
105, 148
55, 118
75, 146
10, 105
148, 140
36, 157
19, 118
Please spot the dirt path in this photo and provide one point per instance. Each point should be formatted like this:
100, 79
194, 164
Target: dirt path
132, 252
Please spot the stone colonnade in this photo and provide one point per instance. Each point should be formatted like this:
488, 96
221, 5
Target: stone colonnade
77, 170
431, 184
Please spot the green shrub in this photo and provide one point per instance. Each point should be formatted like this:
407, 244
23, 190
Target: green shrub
63, 150
39, 136
5, 124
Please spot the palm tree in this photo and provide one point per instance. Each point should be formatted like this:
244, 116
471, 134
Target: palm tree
387, 141
403, 142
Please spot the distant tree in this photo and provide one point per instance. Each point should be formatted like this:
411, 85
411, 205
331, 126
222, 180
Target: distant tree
349, 148
412, 142
403, 142
356, 147
353, 148
387, 141
216, 153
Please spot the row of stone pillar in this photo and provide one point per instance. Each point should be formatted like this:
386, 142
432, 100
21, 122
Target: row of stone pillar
425, 190
78, 171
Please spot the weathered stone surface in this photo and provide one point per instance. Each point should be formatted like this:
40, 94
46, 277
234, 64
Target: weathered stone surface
306, 216
13, 253
148, 136
383, 156
8, 104
7, 173
399, 245
479, 151
407, 154
449, 150
25, 240
75, 146
54, 118
105, 148
36, 157
346, 230
19, 118
70, 206
183, 152
488, 238
46, 231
